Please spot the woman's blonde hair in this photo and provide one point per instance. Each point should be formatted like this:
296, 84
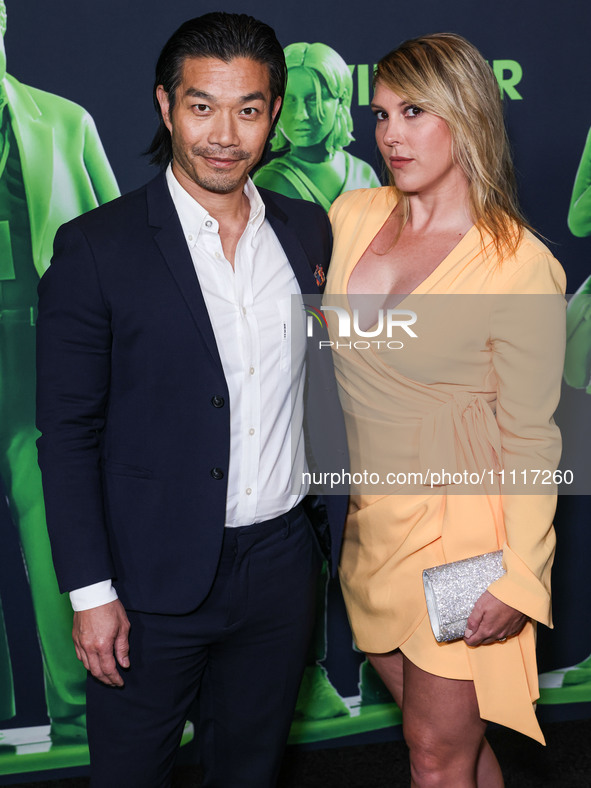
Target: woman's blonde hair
446, 75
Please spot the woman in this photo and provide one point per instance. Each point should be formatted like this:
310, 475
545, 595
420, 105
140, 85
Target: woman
472, 392
314, 127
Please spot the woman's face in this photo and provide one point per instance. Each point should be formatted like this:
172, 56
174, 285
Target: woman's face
300, 117
416, 145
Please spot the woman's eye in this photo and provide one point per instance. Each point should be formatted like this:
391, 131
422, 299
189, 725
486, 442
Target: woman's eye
380, 114
413, 111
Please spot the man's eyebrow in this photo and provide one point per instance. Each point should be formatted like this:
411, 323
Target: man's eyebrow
202, 94
256, 96
198, 94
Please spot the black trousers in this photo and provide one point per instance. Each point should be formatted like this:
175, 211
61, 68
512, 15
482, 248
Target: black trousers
242, 652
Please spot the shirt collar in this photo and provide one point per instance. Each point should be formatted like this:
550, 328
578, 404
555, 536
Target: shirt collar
195, 219
257, 206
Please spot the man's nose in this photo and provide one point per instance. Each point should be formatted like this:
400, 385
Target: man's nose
224, 130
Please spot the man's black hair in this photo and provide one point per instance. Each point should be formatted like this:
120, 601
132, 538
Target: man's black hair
216, 35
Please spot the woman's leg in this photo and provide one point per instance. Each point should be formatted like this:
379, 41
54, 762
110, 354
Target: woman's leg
442, 726
488, 771
389, 669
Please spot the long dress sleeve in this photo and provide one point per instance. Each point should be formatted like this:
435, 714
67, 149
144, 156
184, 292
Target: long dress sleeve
528, 339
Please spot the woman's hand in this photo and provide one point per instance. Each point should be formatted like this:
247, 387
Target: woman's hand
492, 620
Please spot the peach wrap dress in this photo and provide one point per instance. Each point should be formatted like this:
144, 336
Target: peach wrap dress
476, 391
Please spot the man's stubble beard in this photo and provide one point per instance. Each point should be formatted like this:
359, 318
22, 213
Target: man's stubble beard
217, 183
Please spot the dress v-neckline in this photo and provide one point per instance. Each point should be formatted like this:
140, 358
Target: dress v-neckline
439, 269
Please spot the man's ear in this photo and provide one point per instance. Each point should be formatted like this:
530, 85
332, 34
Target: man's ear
275, 109
162, 97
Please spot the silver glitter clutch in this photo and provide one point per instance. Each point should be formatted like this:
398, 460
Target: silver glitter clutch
451, 591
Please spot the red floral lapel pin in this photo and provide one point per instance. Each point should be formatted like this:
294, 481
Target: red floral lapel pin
319, 275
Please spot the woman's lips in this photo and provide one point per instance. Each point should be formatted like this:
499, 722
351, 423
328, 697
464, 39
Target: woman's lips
397, 162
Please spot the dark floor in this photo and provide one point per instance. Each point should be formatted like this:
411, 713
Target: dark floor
564, 763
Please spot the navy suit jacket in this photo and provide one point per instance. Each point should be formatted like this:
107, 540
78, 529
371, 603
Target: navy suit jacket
129, 389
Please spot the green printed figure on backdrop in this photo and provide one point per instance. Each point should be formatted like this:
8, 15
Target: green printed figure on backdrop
579, 212
52, 168
314, 128
573, 684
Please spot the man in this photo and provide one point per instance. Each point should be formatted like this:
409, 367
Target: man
52, 168
172, 422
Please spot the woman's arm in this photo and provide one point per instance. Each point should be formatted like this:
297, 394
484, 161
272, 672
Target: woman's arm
527, 341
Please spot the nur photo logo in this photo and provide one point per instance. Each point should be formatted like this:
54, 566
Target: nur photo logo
384, 332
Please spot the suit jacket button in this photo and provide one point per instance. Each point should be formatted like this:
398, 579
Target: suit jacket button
217, 473
217, 401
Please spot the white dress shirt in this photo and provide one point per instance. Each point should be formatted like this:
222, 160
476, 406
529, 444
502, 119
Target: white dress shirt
262, 353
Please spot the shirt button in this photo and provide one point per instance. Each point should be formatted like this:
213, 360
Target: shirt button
217, 473
248, 491
251, 431
208, 223
190, 237
217, 401
243, 310
218, 256
251, 370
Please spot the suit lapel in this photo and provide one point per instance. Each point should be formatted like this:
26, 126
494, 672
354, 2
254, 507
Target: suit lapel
291, 245
169, 238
